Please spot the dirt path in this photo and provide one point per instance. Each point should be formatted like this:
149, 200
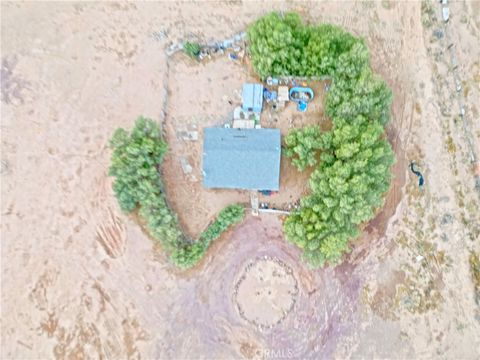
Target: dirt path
80, 279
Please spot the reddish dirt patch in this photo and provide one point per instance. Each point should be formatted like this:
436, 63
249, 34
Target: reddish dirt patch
324, 307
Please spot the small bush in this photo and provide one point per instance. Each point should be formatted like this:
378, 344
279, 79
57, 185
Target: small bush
192, 49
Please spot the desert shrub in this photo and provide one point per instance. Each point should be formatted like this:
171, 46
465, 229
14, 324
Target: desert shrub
355, 158
192, 49
135, 162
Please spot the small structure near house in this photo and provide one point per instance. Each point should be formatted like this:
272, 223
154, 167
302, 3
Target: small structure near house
247, 159
283, 96
252, 98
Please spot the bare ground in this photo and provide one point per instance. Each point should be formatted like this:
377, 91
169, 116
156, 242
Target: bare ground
80, 279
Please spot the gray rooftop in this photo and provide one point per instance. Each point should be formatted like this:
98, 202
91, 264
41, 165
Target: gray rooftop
252, 97
241, 158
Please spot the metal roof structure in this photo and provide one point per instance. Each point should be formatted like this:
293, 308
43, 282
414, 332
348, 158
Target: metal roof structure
252, 97
246, 159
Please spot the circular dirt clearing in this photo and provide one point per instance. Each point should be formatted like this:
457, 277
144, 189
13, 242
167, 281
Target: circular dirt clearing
266, 292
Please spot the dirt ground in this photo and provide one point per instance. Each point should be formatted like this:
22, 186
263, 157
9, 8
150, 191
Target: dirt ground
81, 280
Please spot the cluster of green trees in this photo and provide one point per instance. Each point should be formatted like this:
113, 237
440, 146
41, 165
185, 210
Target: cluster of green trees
355, 158
135, 164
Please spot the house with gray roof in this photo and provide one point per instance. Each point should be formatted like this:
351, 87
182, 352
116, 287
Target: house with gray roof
246, 159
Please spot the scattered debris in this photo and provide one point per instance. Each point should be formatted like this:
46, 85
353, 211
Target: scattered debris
4, 167
275, 211
447, 219
12, 85
159, 35
445, 14
188, 135
186, 167
272, 81
174, 48
201, 52
269, 96
438, 34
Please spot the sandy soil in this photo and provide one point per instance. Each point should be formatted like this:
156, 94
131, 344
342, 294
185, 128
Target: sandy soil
80, 279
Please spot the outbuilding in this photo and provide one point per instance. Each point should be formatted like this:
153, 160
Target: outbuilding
252, 98
247, 159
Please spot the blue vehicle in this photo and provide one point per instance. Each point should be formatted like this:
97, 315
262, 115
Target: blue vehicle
302, 96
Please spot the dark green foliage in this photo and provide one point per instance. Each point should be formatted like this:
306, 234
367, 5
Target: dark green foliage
231, 215
136, 157
355, 158
192, 49
189, 254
